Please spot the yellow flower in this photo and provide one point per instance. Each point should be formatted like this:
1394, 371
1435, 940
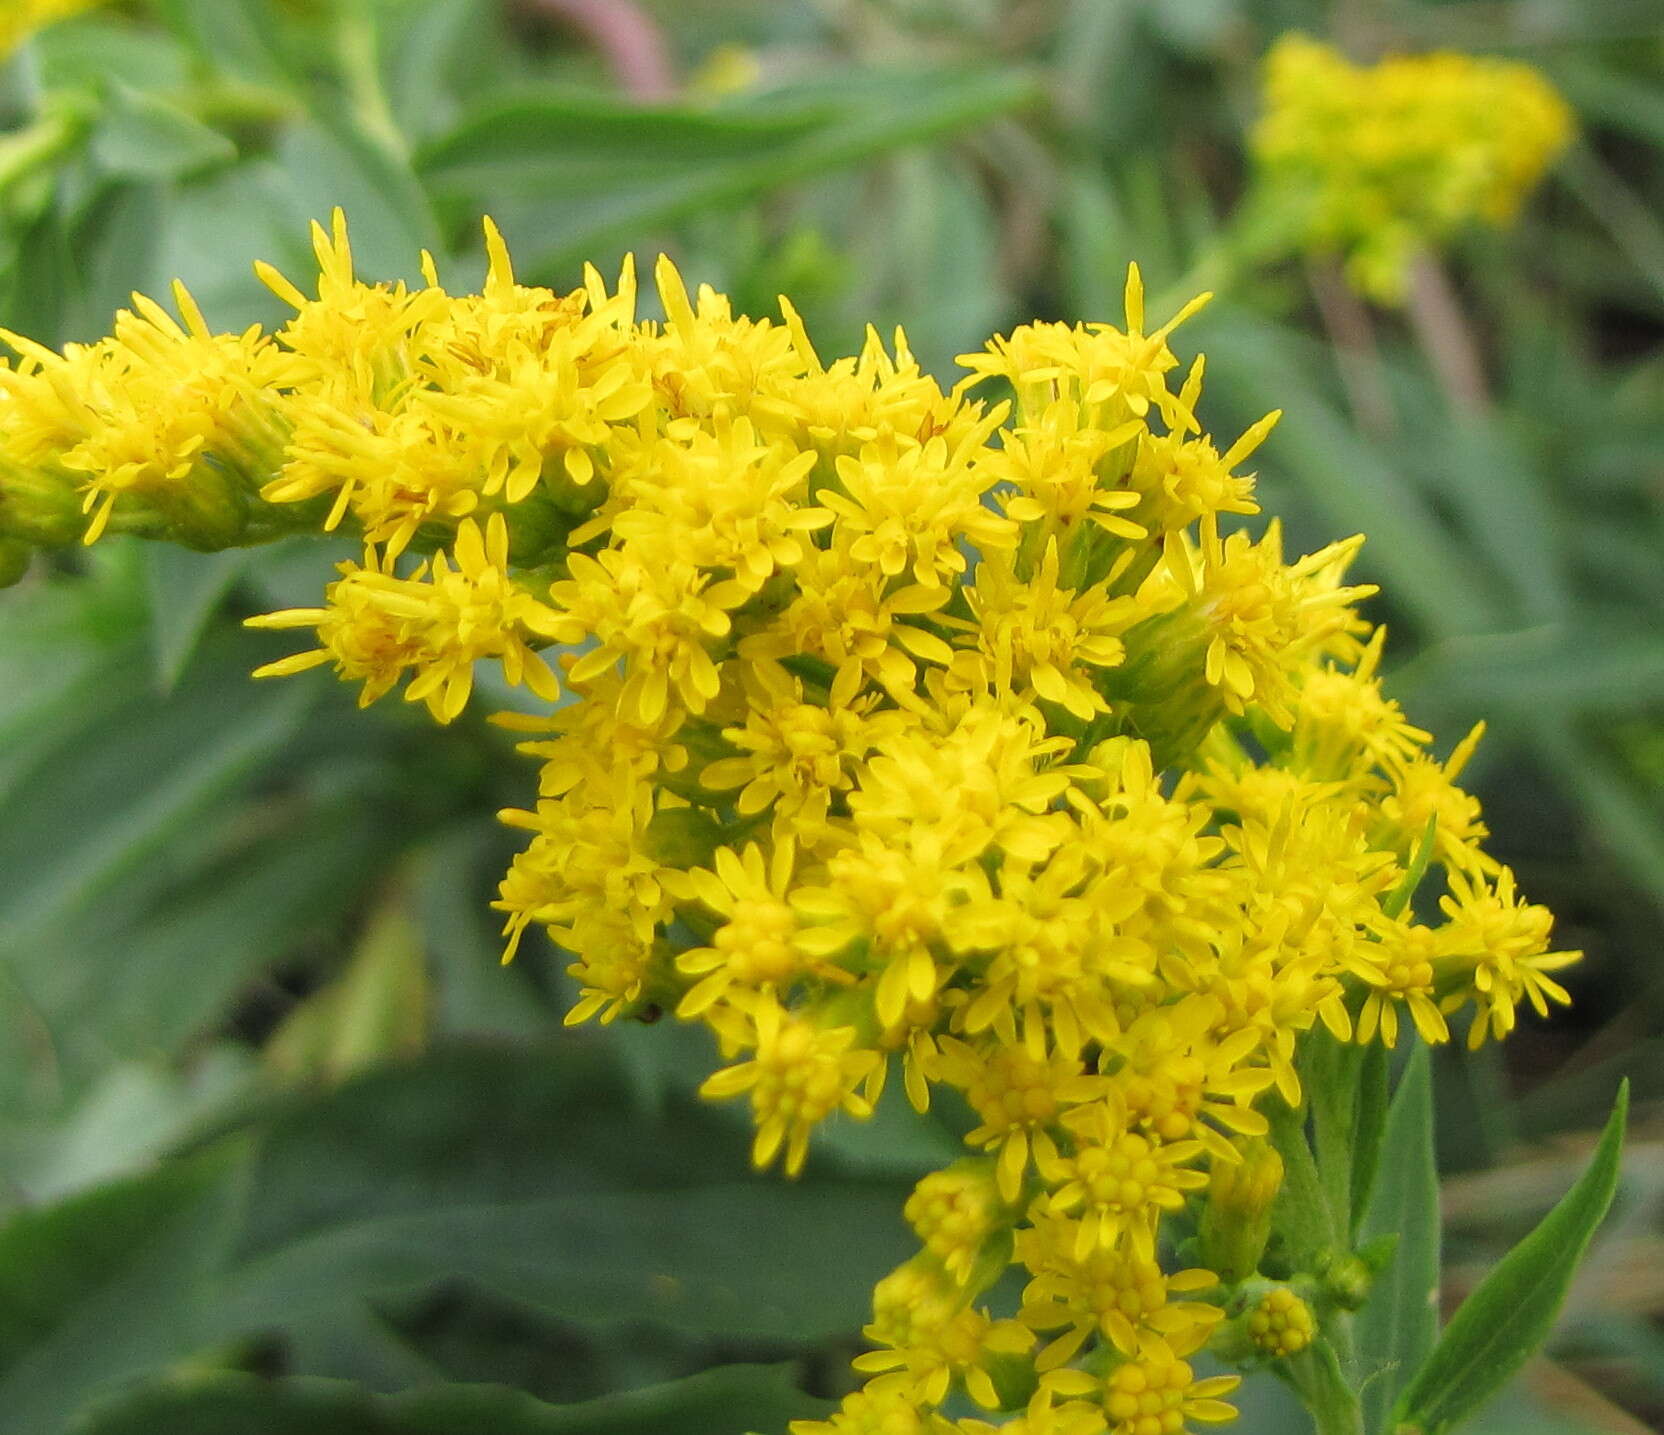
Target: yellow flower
800, 750
1158, 1392
660, 620
1120, 1181
983, 782
935, 1336
1039, 639
1113, 375
589, 850
1499, 945
1110, 1291
955, 1212
755, 948
1264, 620
172, 423
854, 621
1376, 162
878, 1409
1401, 970
1020, 1094
441, 621
908, 507
719, 499
798, 1077
890, 904
888, 723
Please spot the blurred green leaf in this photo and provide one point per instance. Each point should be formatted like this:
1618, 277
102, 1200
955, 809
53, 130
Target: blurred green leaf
240, 38
143, 137
1630, 827
129, 1117
1400, 1322
525, 1170
1596, 663
185, 588
1348, 481
722, 1401
115, 239
375, 1010
99, 49
567, 174
1501, 1324
147, 883
328, 164
108, 1286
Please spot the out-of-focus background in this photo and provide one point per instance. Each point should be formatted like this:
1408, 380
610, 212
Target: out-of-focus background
269, 1107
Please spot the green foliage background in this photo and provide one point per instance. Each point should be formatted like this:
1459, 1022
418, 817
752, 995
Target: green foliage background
270, 1110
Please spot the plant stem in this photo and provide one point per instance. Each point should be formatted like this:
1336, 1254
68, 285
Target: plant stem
1316, 1375
628, 39
1446, 337
358, 48
1357, 356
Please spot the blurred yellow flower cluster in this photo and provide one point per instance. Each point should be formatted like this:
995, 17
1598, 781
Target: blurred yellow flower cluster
19, 19
885, 728
1377, 162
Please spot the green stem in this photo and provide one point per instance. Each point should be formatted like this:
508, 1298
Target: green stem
1302, 1215
355, 39
1316, 1375
38, 143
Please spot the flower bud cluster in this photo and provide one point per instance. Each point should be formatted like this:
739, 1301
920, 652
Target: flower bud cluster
885, 730
1374, 163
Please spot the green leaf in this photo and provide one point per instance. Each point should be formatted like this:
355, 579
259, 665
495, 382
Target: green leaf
106, 1287
98, 49
376, 1010
568, 173
1400, 1321
1349, 483
116, 242
1501, 1324
568, 1199
721, 1401
1594, 662
1404, 893
138, 772
139, 136
524, 1172
325, 164
1329, 1071
146, 881
1630, 826
185, 589
239, 38
136, 1112
1368, 1130
1302, 1218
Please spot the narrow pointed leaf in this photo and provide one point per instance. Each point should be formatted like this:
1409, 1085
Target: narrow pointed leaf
720, 1401
1503, 1322
185, 588
1400, 1323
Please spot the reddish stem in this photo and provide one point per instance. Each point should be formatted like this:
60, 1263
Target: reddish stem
626, 36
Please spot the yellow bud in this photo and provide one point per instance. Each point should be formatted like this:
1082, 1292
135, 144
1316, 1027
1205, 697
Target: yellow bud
1281, 1324
1236, 1221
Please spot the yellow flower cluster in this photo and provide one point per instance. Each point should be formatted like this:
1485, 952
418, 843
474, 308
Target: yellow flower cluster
1375, 163
886, 727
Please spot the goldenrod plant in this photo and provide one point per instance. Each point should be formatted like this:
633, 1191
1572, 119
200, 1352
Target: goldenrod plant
1373, 164
979, 739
